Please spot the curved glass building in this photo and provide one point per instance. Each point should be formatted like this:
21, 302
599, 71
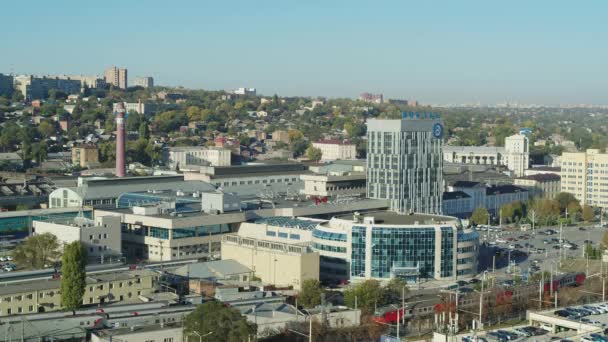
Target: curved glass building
385, 245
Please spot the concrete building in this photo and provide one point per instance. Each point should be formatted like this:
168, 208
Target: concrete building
185, 157
275, 263
100, 236
371, 98
547, 185
18, 224
6, 85
35, 88
280, 135
404, 162
583, 174
458, 204
116, 77
85, 155
146, 82
104, 192
172, 332
538, 170
11, 160
336, 149
244, 91
101, 288
333, 186
93, 82
143, 108
490, 197
515, 155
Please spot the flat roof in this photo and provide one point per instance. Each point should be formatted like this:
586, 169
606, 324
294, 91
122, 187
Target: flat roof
393, 218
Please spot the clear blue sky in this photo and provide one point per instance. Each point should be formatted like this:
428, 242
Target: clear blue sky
451, 51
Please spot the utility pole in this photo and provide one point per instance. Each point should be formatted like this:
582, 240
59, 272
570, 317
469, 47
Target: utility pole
481, 307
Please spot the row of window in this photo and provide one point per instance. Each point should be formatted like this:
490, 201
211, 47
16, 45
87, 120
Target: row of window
257, 181
283, 235
329, 248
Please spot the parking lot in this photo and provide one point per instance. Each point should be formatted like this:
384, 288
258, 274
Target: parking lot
535, 251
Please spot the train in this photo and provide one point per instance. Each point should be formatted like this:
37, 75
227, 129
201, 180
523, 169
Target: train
391, 315
565, 280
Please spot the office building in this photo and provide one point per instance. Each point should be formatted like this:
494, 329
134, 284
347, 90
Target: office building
18, 224
404, 162
6, 85
334, 186
184, 157
584, 174
85, 155
116, 77
515, 155
145, 82
100, 236
336, 149
546, 185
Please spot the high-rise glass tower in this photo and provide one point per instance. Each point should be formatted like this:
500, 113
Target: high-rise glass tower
405, 162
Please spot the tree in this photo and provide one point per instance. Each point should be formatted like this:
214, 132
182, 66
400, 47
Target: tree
565, 199
310, 295
73, 275
368, 294
507, 212
480, 216
133, 121
143, 130
605, 240
36, 251
574, 208
395, 290
587, 213
314, 154
218, 323
46, 129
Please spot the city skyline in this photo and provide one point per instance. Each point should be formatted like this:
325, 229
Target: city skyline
434, 53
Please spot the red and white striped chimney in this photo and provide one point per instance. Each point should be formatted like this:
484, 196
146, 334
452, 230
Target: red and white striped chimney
120, 139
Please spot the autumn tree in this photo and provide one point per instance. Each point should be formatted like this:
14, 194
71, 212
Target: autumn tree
314, 153
368, 295
587, 213
36, 251
480, 216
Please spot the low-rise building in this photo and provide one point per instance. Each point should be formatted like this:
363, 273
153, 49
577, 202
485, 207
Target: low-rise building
280, 135
172, 332
336, 149
143, 108
547, 185
85, 155
185, 157
491, 197
11, 161
349, 185
101, 236
101, 288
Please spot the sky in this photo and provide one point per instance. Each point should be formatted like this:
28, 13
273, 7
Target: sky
436, 52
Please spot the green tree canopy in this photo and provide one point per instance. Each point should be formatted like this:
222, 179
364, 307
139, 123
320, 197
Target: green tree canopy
218, 323
73, 275
310, 294
369, 295
480, 216
314, 154
36, 251
564, 199
587, 213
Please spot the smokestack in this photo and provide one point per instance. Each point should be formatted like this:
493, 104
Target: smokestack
120, 140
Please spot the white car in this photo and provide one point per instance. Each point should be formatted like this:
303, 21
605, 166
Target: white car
3, 258
9, 258
501, 241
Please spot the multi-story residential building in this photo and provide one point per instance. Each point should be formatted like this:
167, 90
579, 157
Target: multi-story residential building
371, 98
404, 162
514, 155
85, 155
547, 185
44, 295
336, 149
100, 236
117, 77
6, 85
93, 82
146, 82
33, 87
585, 175
143, 108
183, 157
244, 91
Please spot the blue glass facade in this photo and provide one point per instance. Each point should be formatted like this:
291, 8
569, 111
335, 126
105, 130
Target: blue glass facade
447, 252
402, 247
328, 236
357, 268
18, 226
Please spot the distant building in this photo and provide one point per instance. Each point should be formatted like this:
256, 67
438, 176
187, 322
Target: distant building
146, 82
33, 87
100, 236
184, 156
547, 185
515, 155
116, 77
6, 85
85, 155
398, 102
555, 170
280, 135
583, 176
404, 162
163, 95
336, 149
244, 91
143, 108
490, 197
93, 82
352, 185
371, 98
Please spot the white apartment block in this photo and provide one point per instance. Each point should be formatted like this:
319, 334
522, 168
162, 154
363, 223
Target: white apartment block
183, 156
336, 149
142, 108
146, 82
585, 175
517, 153
100, 236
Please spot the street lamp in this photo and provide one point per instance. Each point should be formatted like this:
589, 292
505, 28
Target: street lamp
200, 337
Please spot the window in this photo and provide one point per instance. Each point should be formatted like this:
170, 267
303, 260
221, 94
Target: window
168, 339
283, 235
